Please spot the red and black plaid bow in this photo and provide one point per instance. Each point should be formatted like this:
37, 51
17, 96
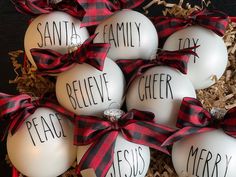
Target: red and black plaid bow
98, 10
37, 7
194, 119
177, 59
16, 109
51, 62
135, 126
214, 20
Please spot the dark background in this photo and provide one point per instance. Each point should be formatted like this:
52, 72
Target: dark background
12, 28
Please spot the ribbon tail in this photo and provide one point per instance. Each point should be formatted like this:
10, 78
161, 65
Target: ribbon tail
130, 67
143, 115
184, 57
148, 134
166, 26
96, 54
191, 113
53, 104
177, 59
73, 8
20, 7
229, 122
15, 173
11, 103
36, 9
130, 4
28, 7
49, 61
215, 20
95, 15
93, 54
185, 132
99, 156
233, 19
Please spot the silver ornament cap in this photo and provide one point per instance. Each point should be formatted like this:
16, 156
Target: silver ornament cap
113, 114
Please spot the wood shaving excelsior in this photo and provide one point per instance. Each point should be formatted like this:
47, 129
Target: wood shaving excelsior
27, 80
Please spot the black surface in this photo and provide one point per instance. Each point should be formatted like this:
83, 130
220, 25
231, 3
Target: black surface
12, 28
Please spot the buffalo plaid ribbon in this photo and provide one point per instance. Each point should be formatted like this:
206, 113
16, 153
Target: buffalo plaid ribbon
214, 20
135, 126
98, 10
51, 62
194, 119
15, 173
16, 109
37, 7
177, 59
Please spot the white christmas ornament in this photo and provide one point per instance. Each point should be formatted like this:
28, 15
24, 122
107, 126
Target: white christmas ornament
160, 90
205, 154
212, 54
85, 90
57, 31
43, 145
130, 159
131, 35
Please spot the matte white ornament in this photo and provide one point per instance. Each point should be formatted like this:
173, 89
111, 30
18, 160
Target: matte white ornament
212, 54
205, 154
85, 90
130, 159
160, 90
57, 31
131, 35
43, 145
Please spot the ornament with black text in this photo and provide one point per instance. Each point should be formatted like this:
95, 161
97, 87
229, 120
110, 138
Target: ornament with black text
206, 154
43, 145
130, 159
131, 35
160, 90
212, 54
57, 31
85, 90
